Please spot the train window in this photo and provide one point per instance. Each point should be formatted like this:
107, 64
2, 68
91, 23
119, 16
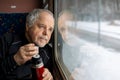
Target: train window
88, 38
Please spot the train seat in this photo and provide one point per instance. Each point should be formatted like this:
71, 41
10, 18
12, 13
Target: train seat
12, 22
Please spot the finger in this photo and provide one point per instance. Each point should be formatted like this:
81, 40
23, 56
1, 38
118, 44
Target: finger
51, 78
46, 74
48, 77
31, 53
31, 48
30, 44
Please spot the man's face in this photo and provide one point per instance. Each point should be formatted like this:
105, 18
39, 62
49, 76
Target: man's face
40, 32
63, 26
65, 30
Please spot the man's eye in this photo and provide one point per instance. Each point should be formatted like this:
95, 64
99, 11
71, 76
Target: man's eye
51, 29
62, 29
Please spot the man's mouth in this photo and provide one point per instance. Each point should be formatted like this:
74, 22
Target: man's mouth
43, 38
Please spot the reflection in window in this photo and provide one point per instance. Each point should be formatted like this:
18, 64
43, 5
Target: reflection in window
90, 35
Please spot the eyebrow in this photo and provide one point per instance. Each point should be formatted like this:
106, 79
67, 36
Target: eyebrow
45, 25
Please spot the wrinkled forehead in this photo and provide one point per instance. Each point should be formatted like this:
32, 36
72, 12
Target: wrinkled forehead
47, 18
46, 15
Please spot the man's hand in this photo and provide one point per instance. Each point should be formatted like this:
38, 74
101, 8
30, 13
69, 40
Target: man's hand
25, 53
47, 75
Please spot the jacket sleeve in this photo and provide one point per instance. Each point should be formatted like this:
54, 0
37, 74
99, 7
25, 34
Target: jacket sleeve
7, 63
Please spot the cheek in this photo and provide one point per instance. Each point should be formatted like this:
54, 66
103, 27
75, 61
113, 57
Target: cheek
33, 35
49, 36
36, 35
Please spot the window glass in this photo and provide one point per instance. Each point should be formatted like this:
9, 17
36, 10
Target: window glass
88, 38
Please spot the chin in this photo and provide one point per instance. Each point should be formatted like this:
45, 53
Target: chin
41, 45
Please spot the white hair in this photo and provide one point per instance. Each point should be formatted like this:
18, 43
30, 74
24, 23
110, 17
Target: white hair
34, 15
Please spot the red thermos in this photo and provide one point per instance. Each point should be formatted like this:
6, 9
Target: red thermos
37, 67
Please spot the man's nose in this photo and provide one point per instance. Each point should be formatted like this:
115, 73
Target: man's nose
67, 32
45, 32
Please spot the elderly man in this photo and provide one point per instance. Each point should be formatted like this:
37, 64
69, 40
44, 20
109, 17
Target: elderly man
16, 51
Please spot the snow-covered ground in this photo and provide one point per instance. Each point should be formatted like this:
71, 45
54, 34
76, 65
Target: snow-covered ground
111, 29
88, 61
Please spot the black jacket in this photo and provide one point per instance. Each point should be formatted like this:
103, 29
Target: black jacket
9, 70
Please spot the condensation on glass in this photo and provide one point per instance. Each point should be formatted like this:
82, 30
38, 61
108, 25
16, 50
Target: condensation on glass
88, 38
